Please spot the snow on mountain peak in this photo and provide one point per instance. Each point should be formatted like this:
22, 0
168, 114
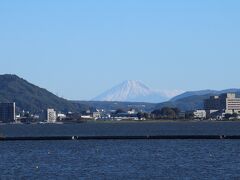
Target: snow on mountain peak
133, 91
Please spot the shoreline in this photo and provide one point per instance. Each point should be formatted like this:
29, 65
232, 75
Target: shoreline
126, 121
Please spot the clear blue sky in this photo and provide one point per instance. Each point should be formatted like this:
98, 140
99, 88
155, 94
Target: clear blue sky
80, 48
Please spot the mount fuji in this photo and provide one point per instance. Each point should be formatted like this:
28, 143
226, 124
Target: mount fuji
135, 91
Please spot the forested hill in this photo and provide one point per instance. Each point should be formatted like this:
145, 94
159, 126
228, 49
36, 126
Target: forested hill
30, 97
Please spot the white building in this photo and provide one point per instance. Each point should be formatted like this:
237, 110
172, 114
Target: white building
86, 117
96, 115
200, 114
51, 116
232, 103
61, 116
132, 111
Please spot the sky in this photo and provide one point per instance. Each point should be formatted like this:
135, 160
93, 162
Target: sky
78, 49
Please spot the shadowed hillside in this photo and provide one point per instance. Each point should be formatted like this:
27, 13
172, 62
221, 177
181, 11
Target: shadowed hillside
30, 97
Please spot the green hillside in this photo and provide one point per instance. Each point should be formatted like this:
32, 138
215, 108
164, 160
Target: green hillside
32, 98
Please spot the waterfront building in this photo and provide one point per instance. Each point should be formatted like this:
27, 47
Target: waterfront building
200, 114
7, 112
126, 116
61, 116
182, 115
86, 117
228, 102
132, 111
96, 115
51, 116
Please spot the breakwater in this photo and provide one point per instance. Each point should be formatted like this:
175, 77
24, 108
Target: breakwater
129, 130
170, 137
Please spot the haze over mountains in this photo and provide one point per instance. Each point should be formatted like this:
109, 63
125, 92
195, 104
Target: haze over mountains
35, 99
135, 91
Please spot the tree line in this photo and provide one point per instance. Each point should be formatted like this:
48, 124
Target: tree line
162, 113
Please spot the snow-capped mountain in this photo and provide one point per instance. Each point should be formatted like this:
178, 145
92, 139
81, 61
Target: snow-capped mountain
135, 91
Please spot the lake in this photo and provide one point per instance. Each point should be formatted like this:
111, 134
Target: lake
120, 159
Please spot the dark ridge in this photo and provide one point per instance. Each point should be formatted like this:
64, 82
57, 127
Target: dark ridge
30, 97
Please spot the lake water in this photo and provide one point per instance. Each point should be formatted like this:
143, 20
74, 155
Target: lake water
120, 159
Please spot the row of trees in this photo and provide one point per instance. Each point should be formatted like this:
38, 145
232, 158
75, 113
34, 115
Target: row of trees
165, 113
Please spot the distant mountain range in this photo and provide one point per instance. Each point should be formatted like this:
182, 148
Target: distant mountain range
193, 99
35, 99
134, 91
